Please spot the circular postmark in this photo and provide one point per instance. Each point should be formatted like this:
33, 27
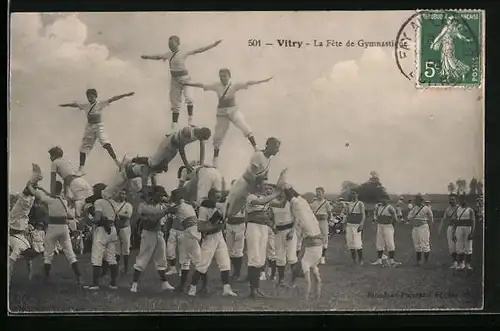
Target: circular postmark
440, 48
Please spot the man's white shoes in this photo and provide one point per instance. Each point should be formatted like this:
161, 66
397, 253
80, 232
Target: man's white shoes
228, 291
377, 262
165, 286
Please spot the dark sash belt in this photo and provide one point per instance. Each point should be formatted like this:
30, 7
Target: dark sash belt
321, 217
463, 222
57, 220
284, 227
178, 73
236, 220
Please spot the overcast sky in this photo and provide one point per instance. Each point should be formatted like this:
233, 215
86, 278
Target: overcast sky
320, 98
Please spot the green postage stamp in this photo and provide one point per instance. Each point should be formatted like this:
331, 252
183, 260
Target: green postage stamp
450, 48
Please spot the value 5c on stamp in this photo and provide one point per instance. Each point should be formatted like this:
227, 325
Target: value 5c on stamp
450, 48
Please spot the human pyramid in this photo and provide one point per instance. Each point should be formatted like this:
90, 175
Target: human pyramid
194, 217
195, 220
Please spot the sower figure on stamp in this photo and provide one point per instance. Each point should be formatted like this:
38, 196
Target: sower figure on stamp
463, 233
146, 167
152, 238
211, 225
312, 240
256, 171
258, 204
19, 220
77, 186
57, 229
227, 110
323, 211
95, 126
449, 218
124, 212
189, 240
179, 76
386, 217
420, 216
355, 220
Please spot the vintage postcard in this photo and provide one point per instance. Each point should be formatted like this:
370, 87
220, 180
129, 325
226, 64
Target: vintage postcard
246, 161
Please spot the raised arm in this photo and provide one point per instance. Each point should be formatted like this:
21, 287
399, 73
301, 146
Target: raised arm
202, 152
73, 105
204, 49
199, 85
182, 153
256, 82
121, 96
279, 203
265, 199
439, 36
154, 57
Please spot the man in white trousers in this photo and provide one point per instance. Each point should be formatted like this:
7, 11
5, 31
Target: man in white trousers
235, 237
94, 130
73, 180
386, 217
227, 110
173, 241
449, 219
256, 172
124, 212
179, 74
355, 221
152, 239
285, 242
189, 241
104, 242
420, 216
463, 233
257, 211
57, 229
306, 221
211, 224
323, 211
145, 167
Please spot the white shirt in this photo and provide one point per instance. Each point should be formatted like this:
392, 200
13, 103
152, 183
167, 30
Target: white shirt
58, 206
177, 62
464, 213
19, 214
220, 90
259, 166
283, 216
321, 208
94, 110
63, 167
106, 208
304, 216
422, 213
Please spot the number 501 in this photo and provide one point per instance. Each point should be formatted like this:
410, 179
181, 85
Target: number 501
253, 42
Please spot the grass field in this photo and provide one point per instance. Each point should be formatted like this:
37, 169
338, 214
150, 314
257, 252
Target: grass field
345, 286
